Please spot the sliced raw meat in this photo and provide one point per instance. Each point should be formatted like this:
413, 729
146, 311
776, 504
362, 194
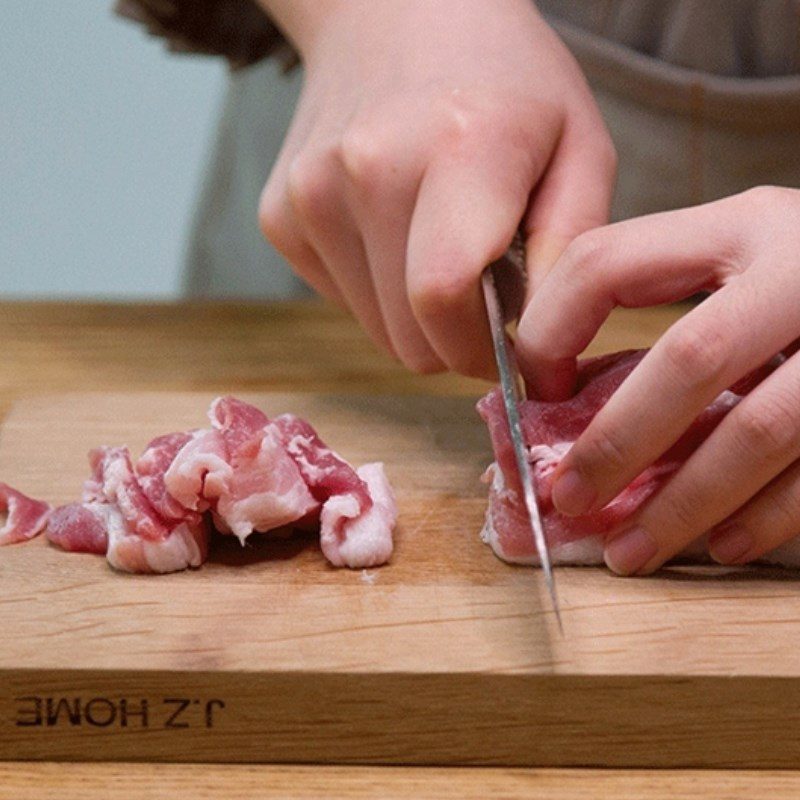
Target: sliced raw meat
549, 430
150, 471
353, 536
245, 473
113, 471
265, 490
324, 472
80, 527
185, 545
236, 420
199, 472
26, 517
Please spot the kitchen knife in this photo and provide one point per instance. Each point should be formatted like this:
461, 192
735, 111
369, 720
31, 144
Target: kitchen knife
511, 388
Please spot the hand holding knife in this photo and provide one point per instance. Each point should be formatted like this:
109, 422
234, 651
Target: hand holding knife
510, 385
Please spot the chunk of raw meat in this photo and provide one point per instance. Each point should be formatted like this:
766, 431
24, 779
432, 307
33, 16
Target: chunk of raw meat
236, 421
26, 517
265, 489
113, 482
79, 527
325, 473
199, 471
352, 536
549, 430
150, 471
246, 473
98, 527
185, 545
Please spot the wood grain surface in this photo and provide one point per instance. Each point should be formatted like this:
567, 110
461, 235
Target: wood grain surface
130, 781
445, 656
227, 347
50, 347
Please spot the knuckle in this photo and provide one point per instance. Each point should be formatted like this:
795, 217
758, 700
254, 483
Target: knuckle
584, 253
463, 118
766, 200
765, 196
364, 155
604, 451
696, 355
766, 428
275, 223
432, 291
683, 509
310, 183
270, 216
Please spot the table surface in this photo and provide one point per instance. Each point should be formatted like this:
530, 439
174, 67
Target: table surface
234, 347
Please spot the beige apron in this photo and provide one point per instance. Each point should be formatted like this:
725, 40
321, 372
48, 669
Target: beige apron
702, 98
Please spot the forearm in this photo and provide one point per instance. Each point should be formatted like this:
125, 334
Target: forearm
303, 20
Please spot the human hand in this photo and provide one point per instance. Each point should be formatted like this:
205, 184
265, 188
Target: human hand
743, 484
423, 131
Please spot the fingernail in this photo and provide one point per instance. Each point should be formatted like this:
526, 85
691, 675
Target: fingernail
572, 495
630, 552
729, 544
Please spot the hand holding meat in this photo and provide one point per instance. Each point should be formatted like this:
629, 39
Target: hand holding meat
742, 484
423, 130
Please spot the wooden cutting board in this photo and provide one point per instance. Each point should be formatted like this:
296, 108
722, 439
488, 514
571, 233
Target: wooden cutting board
445, 656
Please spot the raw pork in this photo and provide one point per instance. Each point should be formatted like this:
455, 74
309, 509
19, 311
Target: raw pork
247, 474
549, 430
26, 517
118, 517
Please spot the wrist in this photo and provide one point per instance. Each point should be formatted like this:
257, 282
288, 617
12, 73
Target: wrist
302, 21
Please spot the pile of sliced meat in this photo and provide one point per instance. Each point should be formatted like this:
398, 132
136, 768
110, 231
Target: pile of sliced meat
244, 474
549, 430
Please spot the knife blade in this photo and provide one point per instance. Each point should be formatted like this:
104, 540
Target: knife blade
510, 386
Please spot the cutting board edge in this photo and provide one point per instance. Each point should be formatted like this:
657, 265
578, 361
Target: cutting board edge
552, 720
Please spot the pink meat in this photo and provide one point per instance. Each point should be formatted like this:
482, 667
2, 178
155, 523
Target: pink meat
26, 517
113, 471
236, 420
118, 519
247, 474
100, 528
185, 545
200, 471
150, 471
79, 528
265, 490
549, 430
354, 536
325, 473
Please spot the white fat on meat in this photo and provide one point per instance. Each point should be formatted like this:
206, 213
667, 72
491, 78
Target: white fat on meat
185, 546
550, 430
246, 473
587, 551
200, 470
266, 489
354, 538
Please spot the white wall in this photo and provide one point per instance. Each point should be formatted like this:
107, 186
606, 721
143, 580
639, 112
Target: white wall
102, 143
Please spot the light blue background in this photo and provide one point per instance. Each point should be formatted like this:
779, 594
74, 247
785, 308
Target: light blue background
103, 138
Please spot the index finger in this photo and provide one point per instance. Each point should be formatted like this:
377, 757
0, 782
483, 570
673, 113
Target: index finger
640, 262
